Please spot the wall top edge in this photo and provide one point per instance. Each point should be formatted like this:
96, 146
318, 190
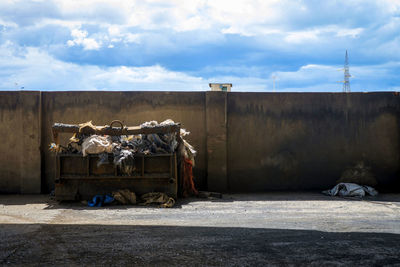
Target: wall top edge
212, 92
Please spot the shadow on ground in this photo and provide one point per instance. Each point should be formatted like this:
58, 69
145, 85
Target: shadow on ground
49, 244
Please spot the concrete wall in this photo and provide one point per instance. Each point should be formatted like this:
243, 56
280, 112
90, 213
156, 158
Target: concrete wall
246, 141
20, 161
305, 141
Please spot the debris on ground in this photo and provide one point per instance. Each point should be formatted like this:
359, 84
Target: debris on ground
124, 197
350, 190
359, 174
158, 198
209, 195
100, 200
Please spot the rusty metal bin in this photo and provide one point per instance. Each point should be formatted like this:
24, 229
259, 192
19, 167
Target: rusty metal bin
79, 178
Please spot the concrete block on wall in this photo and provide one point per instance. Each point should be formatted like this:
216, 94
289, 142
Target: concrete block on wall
216, 121
20, 162
30, 139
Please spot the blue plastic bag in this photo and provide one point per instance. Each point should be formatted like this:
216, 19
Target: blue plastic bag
100, 200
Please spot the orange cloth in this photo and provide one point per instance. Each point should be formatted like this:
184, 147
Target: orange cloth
188, 183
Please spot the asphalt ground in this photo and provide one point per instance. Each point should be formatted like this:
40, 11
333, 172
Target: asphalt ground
238, 230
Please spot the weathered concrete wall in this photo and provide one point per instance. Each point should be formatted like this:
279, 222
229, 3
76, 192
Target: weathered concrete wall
20, 160
132, 108
245, 141
304, 141
216, 121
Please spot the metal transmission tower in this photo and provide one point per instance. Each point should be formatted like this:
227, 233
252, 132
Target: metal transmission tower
346, 82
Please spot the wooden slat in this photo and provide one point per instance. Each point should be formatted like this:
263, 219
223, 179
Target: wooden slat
101, 130
163, 176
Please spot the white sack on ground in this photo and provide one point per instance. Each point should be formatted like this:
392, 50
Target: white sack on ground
350, 190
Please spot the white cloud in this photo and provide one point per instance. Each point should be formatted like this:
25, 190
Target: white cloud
78, 34
37, 70
349, 32
392, 6
118, 34
186, 35
319, 33
125, 21
302, 36
245, 17
193, 23
8, 24
79, 38
315, 77
311, 73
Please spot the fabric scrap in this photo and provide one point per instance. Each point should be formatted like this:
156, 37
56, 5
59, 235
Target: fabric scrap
124, 159
167, 122
88, 127
188, 187
55, 148
103, 159
158, 198
350, 190
124, 196
149, 124
96, 144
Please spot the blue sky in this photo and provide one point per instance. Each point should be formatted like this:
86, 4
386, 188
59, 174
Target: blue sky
184, 45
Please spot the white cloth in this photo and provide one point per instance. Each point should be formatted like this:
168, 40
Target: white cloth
350, 190
96, 144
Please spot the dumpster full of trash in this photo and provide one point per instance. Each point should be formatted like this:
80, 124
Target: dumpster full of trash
151, 157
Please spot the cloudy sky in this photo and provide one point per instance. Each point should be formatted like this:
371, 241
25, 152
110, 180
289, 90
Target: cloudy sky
184, 45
